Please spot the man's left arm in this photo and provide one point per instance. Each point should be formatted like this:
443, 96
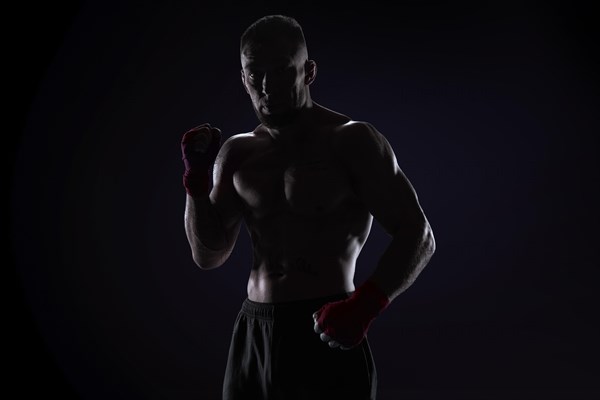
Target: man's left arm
380, 183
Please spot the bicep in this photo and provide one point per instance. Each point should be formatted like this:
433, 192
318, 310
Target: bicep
378, 180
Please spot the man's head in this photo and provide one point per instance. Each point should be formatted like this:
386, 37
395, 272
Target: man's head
276, 71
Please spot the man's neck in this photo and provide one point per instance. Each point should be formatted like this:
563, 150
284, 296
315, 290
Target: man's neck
294, 131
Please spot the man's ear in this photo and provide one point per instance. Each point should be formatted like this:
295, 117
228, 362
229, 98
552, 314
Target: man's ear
244, 81
310, 71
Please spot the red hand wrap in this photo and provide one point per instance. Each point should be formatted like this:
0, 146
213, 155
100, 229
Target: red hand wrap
347, 321
198, 164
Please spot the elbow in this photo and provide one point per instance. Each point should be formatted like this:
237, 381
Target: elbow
204, 265
429, 239
207, 259
422, 235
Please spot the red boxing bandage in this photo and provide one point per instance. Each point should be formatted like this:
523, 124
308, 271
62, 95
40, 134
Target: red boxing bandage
199, 163
347, 321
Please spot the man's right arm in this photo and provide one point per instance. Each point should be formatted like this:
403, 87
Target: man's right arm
213, 219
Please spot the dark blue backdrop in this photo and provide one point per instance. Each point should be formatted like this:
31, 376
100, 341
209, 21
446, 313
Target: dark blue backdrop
490, 107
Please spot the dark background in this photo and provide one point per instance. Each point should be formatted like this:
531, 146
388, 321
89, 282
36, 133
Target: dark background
491, 108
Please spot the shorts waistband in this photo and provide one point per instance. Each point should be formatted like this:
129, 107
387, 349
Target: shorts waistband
291, 308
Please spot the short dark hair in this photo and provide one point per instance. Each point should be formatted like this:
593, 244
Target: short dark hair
270, 27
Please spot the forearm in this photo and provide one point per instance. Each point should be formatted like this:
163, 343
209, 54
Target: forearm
404, 259
205, 232
345, 323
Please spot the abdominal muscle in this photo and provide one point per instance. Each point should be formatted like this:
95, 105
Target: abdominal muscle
291, 265
298, 282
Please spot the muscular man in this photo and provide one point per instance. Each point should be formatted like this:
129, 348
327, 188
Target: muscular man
307, 181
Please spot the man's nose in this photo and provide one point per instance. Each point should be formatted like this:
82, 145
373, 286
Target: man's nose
268, 83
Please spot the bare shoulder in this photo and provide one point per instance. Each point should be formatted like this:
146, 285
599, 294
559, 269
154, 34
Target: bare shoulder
236, 146
360, 137
239, 140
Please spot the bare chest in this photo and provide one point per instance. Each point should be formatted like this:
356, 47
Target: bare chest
305, 182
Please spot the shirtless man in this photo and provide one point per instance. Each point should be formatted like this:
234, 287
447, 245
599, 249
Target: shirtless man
307, 181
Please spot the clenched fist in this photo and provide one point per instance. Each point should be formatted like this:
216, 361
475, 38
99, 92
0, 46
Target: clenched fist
345, 323
199, 148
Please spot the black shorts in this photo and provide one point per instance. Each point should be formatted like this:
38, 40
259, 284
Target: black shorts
275, 354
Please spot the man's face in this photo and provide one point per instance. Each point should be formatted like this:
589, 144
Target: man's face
274, 77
